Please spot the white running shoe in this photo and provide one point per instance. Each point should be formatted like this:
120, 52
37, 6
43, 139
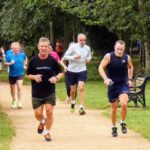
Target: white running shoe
14, 104
19, 104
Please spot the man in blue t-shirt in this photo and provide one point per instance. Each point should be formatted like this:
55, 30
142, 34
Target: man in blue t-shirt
118, 79
16, 61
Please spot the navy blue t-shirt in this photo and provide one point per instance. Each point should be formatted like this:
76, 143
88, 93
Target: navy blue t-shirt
117, 70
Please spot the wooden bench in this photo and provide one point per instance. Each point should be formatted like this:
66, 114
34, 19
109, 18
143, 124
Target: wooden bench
137, 91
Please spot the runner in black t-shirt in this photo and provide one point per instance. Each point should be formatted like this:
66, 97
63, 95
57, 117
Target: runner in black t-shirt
44, 71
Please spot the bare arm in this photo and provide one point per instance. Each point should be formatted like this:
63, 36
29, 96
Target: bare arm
25, 63
130, 68
61, 62
130, 71
105, 61
9, 63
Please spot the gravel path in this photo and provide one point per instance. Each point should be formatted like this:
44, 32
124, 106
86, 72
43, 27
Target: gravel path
69, 131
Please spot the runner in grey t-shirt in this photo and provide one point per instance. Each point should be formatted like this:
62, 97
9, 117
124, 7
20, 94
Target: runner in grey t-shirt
78, 55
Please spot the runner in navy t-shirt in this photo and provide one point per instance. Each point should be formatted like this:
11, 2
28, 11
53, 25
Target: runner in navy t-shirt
118, 78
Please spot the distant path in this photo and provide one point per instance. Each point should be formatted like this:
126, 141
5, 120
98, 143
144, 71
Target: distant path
69, 132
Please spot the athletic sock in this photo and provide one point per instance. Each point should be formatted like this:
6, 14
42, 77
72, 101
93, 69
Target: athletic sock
122, 121
46, 131
81, 106
43, 121
73, 102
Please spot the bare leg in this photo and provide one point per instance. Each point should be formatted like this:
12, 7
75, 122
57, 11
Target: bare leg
73, 92
19, 89
73, 96
13, 91
49, 116
124, 102
38, 112
114, 106
81, 92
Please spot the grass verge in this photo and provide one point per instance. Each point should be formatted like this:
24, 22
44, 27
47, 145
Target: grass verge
7, 131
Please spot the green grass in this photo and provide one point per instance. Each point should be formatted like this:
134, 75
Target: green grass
96, 98
141, 122
95, 94
7, 131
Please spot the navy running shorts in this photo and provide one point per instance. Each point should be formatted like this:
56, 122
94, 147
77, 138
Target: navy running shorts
75, 77
13, 80
115, 90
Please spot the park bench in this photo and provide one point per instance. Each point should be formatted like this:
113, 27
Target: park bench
137, 91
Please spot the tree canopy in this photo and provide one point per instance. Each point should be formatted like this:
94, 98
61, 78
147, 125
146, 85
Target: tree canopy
28, 19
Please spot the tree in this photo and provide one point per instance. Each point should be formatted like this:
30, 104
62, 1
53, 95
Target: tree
26, 19
129, 19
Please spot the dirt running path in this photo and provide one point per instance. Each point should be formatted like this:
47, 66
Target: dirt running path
69, 132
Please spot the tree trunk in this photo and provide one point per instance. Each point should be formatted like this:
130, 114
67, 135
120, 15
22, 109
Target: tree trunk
142, 54
51, 32
147, 56
124, 35
66, 33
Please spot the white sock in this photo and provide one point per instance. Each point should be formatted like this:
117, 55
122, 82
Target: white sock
73, 102
46, 132
122, 121
43, 121
81, 106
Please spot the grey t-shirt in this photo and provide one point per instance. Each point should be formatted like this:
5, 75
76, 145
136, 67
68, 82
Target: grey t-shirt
80, 64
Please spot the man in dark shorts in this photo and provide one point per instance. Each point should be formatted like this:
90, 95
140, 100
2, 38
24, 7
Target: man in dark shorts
78, 55
44, 71
16, 61
118, 79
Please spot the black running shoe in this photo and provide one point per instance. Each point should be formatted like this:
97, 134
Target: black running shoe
41, 127
82, 111
123, 128
72, 109
114, 132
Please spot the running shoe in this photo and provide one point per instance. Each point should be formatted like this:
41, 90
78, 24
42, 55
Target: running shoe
82, 111
123, 128
20, 105
41, 127
114, 131
14, 104
72, 109
47, 137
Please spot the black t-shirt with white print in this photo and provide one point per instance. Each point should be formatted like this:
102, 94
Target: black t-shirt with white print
47, 68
